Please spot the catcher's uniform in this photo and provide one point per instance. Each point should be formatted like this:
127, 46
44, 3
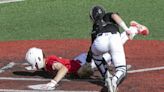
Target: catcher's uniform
106, 39
71, 65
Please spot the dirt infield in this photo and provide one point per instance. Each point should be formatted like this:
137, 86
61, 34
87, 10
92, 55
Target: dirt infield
140, 54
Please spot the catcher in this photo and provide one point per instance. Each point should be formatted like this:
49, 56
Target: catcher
106, 38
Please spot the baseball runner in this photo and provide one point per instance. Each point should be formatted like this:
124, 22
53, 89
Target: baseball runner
56, 65
106, 39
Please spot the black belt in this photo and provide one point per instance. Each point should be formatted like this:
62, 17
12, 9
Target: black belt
100, 34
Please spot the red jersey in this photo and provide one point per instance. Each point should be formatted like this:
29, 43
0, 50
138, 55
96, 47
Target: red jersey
71, 65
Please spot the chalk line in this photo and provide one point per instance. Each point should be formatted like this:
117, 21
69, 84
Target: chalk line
146, 69
13, 90
40, 79
8, 66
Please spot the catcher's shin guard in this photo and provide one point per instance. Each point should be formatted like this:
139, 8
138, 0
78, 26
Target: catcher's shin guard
108, 82
121, 72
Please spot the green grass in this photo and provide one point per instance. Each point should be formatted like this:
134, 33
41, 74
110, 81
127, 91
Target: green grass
63, 19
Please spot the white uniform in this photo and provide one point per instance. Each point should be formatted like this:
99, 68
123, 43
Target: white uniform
109, 43
82, 57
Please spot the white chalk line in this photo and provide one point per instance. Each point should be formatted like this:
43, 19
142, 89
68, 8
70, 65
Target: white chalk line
146, 69
13, 90
8, 66
40, 79
11, 64
9, 1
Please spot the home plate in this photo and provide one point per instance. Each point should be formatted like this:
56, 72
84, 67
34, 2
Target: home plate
40, 87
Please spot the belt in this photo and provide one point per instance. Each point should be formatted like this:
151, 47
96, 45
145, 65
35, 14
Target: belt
100, 34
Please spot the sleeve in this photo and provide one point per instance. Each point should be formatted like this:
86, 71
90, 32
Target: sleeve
108, 17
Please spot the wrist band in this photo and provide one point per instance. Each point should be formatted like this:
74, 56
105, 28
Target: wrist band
53, 81
123, 25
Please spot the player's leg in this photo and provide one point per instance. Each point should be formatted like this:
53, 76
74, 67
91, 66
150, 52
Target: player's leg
82, 58
118, 58
124, 37
141, 29
98, 49
137, 28
113, 45
134, 29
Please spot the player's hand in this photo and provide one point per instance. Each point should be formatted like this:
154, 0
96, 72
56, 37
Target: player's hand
130, 33
49, 86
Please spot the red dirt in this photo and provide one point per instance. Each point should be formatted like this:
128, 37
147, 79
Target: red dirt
139, 53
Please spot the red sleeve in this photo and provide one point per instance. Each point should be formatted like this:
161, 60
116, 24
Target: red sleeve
71, 65
49, 62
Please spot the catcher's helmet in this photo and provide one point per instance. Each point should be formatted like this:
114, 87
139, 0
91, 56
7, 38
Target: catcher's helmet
97, 13
34, 57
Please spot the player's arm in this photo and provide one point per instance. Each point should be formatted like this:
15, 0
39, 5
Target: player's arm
119, 21
62, 71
